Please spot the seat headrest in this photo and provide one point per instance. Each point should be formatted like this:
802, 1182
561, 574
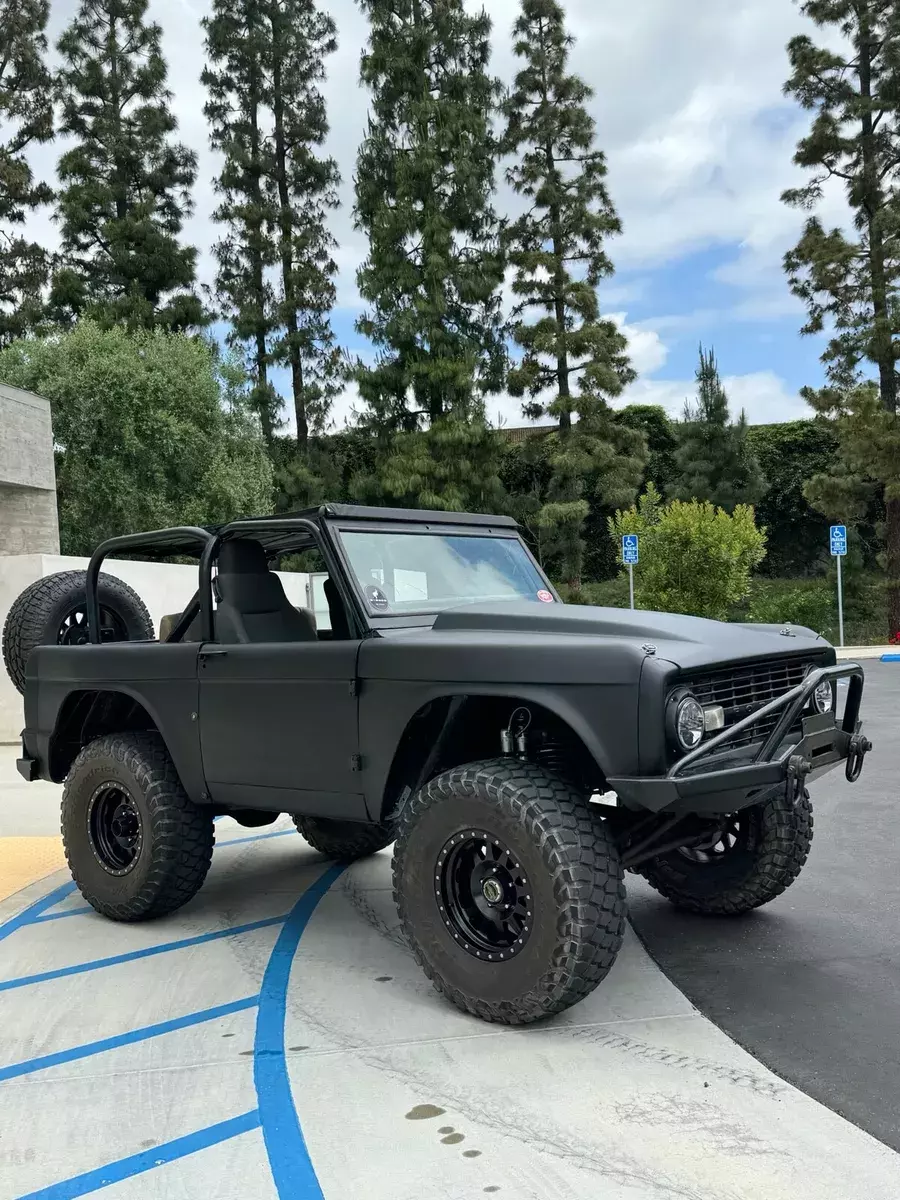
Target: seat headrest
244, 556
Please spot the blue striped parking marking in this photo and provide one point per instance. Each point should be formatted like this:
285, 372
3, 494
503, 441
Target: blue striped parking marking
292, 1169
27, 915
137, 1164
35, 913
69, 912
125, 1039
78, 968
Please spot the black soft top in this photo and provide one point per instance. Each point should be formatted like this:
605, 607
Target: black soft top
188, 541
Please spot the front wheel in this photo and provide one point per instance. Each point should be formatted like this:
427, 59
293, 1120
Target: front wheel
509, 889
135, 844
759, 853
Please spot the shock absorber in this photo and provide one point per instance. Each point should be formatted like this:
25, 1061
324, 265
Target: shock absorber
514, 739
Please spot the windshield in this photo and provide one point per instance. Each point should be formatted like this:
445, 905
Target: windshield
427, 572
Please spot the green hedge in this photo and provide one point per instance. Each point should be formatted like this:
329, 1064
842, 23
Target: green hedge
810, 602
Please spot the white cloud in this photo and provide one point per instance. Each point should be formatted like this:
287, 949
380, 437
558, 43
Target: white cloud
763, 396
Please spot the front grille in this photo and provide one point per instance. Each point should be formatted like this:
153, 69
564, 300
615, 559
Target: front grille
740, 690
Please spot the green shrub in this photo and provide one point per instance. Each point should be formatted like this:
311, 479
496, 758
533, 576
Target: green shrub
695, 558
150, 431
811, 606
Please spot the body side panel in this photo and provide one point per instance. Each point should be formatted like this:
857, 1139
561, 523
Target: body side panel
160, 677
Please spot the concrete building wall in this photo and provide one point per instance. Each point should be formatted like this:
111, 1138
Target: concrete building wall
164, 588
28, 519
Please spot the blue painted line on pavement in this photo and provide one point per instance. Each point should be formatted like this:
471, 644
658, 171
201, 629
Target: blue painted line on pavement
78, 968
890, 658
157, 1156
292, 1169
256, 837
69, 912
88, 1049
28, 915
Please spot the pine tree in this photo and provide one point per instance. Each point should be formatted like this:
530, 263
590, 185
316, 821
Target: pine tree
237, 45
424, 188
125, 182
714, 459
849, 279
26, 118
572, 359
268, 118
301, 190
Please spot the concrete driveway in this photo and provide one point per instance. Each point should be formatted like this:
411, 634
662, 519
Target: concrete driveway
276, 1039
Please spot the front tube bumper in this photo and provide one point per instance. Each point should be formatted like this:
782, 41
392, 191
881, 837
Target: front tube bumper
717, 777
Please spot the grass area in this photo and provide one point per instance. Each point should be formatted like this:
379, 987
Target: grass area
809, 602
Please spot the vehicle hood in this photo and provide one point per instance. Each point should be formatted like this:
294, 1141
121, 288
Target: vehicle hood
683, 640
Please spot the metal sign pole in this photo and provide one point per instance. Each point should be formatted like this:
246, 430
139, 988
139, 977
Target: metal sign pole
631, 584
840, 601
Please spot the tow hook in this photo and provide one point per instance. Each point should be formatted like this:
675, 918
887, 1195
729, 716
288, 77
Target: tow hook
797, 771
859, 748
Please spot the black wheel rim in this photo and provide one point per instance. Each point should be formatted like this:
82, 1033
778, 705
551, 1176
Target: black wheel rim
483, 896
73, 629
732, 836
115, 829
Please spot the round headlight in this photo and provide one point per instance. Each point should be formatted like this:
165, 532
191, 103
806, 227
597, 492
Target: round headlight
689, 723
823, 697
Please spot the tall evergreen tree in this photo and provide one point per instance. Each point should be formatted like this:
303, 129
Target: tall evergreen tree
302, 189
268, 118
26, 119
424, 188
572, 359
849, 279
237, 46
714, 459
126, 183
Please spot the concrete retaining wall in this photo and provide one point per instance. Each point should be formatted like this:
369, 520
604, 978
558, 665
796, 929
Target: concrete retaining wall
163, 588
28, 520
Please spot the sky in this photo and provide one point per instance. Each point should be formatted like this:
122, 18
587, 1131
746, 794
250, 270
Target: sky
699, 140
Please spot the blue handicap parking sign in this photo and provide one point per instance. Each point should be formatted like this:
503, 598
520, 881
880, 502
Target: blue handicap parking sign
839, 540
630, 549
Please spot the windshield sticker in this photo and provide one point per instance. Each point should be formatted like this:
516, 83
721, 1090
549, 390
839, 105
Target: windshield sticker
376, 598
545, 597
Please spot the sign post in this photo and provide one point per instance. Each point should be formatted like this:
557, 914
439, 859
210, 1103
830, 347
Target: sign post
838, 551
630, 559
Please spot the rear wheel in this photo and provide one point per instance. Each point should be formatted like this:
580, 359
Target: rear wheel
758, 854
136, 845
509, 889
343, 840
53, 611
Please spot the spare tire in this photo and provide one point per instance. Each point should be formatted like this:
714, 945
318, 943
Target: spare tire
53, 612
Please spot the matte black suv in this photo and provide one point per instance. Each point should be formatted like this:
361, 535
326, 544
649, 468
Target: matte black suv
521, 753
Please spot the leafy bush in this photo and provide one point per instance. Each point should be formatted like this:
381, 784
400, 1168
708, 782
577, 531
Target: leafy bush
612, 593
813, 602
810, 606
150, 431
695, 558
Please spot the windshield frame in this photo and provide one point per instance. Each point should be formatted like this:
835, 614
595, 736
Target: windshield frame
424, 617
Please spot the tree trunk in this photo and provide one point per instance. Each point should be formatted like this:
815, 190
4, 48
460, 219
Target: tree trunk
261, 360
882, 341
564, 391
286, 225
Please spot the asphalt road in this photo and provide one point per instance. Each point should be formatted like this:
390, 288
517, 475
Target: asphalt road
810, 985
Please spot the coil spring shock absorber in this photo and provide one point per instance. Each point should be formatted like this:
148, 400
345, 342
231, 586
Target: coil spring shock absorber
513, 739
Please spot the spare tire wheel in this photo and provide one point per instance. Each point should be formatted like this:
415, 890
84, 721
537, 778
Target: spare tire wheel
53, 612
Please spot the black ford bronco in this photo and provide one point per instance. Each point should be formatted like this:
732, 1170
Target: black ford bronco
521, 753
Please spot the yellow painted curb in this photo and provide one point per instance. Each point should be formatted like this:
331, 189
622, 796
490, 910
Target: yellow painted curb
25, 860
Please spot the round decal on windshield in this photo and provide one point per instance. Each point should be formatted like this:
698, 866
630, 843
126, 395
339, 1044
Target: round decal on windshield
545, 597
378, 601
